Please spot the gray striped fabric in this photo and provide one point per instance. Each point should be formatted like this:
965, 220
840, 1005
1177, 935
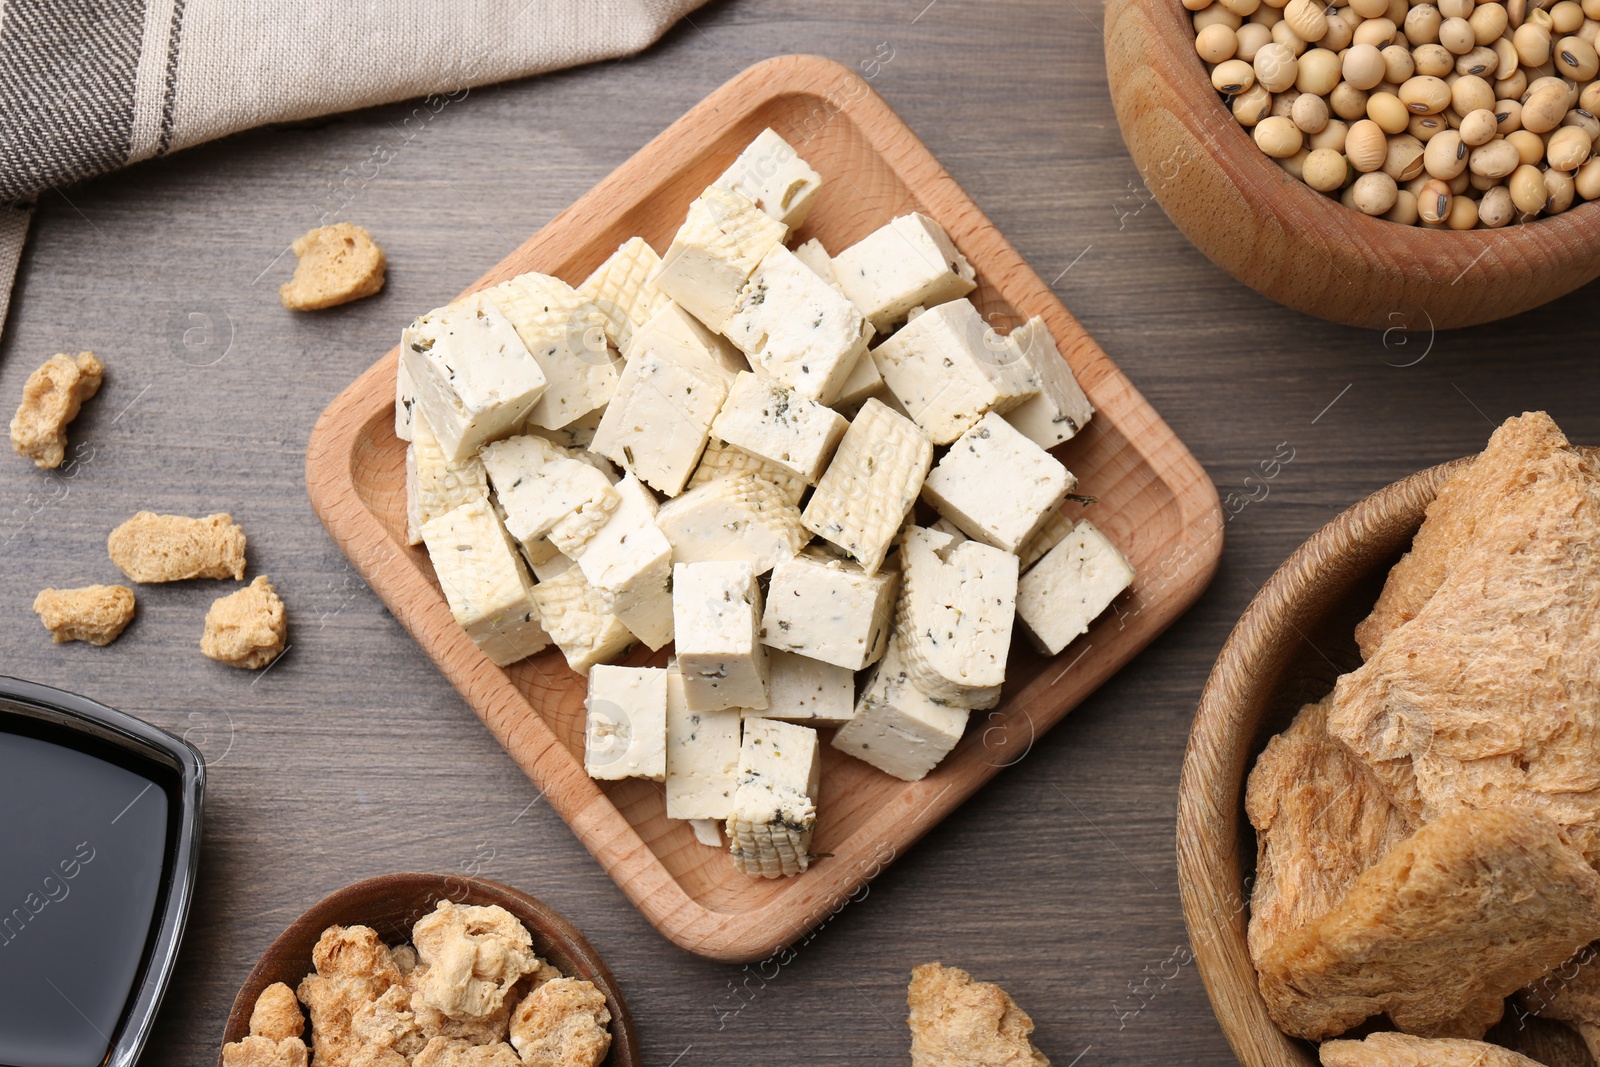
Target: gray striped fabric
87, 86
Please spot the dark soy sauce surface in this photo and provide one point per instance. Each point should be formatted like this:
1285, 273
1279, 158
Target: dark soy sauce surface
82, 843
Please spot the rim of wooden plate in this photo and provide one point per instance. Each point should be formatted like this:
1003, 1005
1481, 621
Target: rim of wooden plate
391, 903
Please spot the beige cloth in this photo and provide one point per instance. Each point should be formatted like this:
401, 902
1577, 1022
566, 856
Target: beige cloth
91, 85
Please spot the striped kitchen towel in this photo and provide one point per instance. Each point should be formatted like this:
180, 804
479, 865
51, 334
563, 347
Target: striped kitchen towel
87, 86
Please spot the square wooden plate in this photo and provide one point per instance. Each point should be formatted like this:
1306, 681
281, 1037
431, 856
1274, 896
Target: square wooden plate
1154, 501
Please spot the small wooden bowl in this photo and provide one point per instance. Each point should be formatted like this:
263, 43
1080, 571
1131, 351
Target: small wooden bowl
1293, 244
392, 903
1293, 641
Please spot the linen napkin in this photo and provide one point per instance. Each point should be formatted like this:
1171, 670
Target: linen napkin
87, 86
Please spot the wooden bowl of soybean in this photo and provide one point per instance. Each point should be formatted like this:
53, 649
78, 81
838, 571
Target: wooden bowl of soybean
392, 903
1295, 245
1296, 637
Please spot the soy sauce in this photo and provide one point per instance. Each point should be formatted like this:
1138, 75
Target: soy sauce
83, 843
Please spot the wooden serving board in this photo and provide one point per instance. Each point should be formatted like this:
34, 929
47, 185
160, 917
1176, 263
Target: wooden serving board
1154, 501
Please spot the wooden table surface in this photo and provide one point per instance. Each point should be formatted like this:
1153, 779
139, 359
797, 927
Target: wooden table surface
352, 757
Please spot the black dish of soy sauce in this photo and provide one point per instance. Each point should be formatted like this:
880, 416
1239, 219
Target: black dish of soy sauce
99, 841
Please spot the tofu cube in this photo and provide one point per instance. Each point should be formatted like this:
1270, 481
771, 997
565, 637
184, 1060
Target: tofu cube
575, 435
678, 336
829, 610
1060, 408
801, 689
796, 328
1050, 533
629, 562
722, 460
813, 255
774, 808
474, 378
565, 333
434, 484
773, 177
864, 382
768, 419
864, 495
997, 485
958, 605
546, 494
625, 729
484, 582
743, 517
702, 757
948, 369
621, 288
1068, 589
896, 728
657, 422
716, 612
575, 614
714, 253
909, 262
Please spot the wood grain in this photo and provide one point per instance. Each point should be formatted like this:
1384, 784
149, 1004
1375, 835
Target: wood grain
1153, 501
353, 756
1293, 244
1291, 643
391, 904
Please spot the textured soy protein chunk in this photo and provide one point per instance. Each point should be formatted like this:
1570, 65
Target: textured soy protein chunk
51, 399
337, 264
246, 629
95, 613
172, 548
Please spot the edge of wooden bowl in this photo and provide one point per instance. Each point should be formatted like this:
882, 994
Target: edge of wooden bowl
377, 901
1237, 697
1294, 245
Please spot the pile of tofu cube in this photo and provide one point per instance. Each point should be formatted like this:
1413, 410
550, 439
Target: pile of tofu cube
723, 448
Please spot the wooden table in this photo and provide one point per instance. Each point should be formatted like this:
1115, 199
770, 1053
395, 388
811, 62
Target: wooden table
351, 756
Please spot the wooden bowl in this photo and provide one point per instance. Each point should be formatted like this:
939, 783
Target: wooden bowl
1295, 245
392, 903
1294, 640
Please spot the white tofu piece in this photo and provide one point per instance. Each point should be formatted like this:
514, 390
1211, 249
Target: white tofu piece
722, 460
773, 177
716, 609
678, 335
658, 420
714, 253
774, 808
951, 530
484, 582
909, 262
629, 561
997, 485
958, 605
625, 727
576, 435
1060, 408
864, 495
565, 334
474, 378
896, 728
405, 397
434, 484
1050, 533
743, 517
621, 288
707, 831
801, 689
702, 758
796, 328
948, 369
864, 381
829, 610
813, 255
769, 419
1068, 589
546, 494
574, 614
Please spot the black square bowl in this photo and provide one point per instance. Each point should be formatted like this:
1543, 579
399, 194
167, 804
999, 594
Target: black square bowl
99, 844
